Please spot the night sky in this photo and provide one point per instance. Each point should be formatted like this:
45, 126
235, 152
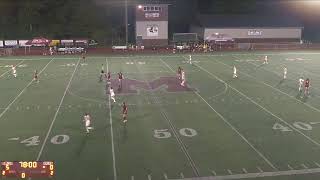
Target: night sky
183, 12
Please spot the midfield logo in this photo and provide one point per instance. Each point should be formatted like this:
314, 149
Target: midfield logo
132, 86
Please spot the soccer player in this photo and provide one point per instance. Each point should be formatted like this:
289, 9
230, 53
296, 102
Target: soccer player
124, 112
102, 72
265, 60
183, 78
306, 86
112, 95
285, 70
179, 72
35, 76
87, 122
190, 59
108, 76
301, 80
14, 70
234, 72
120, 76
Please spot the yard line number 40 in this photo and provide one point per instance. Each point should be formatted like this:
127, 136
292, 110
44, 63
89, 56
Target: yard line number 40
165, 133
35, 140
298, 125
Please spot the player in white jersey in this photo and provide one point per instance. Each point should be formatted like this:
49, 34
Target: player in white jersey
14, 70
112, 95
234, 72
285, 70
87, 122
183, 78
301, 81
190, 59
265, 60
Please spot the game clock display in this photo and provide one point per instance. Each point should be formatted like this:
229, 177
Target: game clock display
27, 169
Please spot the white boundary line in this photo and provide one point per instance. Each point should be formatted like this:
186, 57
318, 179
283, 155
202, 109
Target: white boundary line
111, 132
263, 108
230, 125
56, 114
6, 109
10, 69
258, 175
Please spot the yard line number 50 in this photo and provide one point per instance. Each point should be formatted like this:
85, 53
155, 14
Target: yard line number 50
164, 133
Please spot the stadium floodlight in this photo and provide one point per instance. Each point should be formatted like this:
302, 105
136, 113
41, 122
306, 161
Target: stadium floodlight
140, 6
216, 34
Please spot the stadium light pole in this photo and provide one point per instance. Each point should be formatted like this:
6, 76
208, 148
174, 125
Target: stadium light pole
126, 20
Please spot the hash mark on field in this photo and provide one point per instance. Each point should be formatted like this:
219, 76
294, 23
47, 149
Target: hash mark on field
260, 169
244, 170
290, 167
149, 177
312, 123
165, 176
229, 171
304, 166
132, 177
182, 175
213, 172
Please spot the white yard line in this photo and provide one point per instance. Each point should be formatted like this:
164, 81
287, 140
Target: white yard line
230, 125
23, 90
257, 175
56, 114
10, 69
263, 108
111, 132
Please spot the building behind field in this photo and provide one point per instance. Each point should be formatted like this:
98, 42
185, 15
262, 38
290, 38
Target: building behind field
249, 29
152, 25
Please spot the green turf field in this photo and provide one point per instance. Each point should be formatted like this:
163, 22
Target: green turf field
257, 126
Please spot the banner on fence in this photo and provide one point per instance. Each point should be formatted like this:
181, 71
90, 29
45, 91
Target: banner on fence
11, 42
1, 43
23, 43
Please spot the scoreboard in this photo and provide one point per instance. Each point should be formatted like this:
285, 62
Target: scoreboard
27, 169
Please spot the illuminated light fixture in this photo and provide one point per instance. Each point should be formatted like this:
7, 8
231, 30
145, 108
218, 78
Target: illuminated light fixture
140, 6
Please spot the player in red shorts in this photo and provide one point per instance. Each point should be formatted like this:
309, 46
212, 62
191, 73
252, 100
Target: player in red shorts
124, 112
120, 76
179, 72
35, 76
306, 86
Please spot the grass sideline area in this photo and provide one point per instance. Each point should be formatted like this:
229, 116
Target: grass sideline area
257, 126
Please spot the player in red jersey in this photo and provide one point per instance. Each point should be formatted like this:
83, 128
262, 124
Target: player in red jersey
179, 72
35, 76
306, 86
124, 112
108, 77
120, 76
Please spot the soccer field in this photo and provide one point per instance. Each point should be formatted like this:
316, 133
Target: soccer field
257, 126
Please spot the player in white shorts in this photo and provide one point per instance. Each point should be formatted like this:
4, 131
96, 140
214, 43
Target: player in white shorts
87, 122
183, 78
190, 59
285, 70
112, 95
234, 72
301, 81
265, 60
14, 70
